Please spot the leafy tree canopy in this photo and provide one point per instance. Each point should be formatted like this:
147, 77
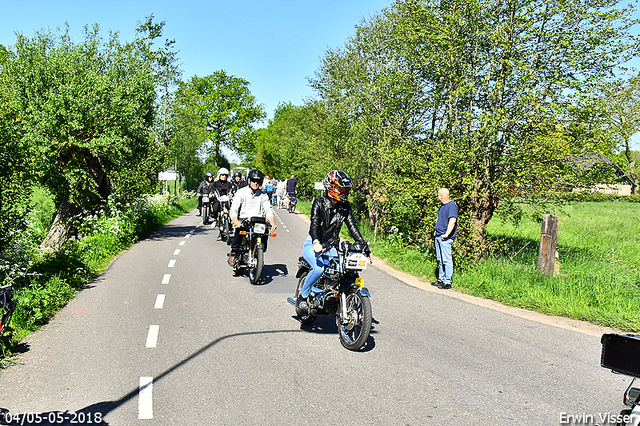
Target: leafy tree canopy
486, 97
85, 112
226, 111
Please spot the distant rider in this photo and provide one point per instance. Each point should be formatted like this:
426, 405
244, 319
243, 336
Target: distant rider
204, 188
291, 187
237, 182
248, 202
328, 213
223, 186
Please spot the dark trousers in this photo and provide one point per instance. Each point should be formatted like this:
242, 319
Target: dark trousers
237, 239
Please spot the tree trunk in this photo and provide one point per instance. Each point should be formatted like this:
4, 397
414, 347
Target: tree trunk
68, 215
62, 228
482, 208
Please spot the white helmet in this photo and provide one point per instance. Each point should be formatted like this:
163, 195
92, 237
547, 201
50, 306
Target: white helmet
223, 171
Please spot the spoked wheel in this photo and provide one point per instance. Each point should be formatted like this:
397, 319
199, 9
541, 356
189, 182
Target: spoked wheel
205, 214
354, 330
255, 273
222, 225
308, 319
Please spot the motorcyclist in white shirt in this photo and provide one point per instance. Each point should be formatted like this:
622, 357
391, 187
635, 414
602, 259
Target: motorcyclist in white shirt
248, 202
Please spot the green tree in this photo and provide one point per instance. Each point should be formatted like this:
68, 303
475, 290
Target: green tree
16, 176
623, 104
86, 111
480, 96
185, 137
295, 143
226, 109
166, 69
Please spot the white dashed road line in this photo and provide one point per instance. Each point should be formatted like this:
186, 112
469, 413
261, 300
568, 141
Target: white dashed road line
159, 302
145, 390
145, 398
152, 336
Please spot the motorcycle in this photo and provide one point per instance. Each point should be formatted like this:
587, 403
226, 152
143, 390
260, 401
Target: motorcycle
292, 203
7, 306
224, 220
620, 354
255, 235
340, 292
206, 208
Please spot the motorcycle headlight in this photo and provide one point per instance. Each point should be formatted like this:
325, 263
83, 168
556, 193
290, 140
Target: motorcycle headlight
259, 228
205, 199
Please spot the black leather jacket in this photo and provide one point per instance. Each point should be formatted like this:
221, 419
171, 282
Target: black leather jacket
205, 188
222, 186
326, 222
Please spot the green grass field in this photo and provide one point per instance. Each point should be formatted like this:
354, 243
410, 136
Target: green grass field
599, 264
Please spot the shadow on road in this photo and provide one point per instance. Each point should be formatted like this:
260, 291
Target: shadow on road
271, 271
174, 231
97, 412
327, 325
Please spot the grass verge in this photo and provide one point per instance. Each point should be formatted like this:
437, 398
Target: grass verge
598, 268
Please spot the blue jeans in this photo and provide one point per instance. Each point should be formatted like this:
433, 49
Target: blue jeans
317, 262
445, 261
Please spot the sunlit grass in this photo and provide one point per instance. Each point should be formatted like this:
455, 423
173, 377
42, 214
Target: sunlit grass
598, 277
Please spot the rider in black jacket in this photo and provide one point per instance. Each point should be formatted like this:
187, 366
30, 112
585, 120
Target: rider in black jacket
328, 213
205, 187
223, 186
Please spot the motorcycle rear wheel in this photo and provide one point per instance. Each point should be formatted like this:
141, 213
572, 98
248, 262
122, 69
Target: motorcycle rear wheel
255, 273
308, 319
355, 332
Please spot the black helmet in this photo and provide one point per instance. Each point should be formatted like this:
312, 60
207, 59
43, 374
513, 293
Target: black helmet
256, 175
337, 183
208, 175
237, 174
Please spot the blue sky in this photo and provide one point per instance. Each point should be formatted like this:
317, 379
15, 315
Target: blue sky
275, 45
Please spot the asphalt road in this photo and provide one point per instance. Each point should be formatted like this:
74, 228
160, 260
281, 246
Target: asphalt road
168, 336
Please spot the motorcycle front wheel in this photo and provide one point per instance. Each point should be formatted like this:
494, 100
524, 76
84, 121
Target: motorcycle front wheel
308, 319
205, 214
354, 330
255, 273
229, 233
222, 225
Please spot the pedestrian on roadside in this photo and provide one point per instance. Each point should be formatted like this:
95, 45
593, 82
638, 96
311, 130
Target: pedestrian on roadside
268, 186
445, 233
291, 185
281, 192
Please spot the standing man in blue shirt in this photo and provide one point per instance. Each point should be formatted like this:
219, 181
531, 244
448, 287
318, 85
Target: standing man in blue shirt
445, 233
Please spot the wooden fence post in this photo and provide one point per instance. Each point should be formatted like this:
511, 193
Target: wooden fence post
548, 244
